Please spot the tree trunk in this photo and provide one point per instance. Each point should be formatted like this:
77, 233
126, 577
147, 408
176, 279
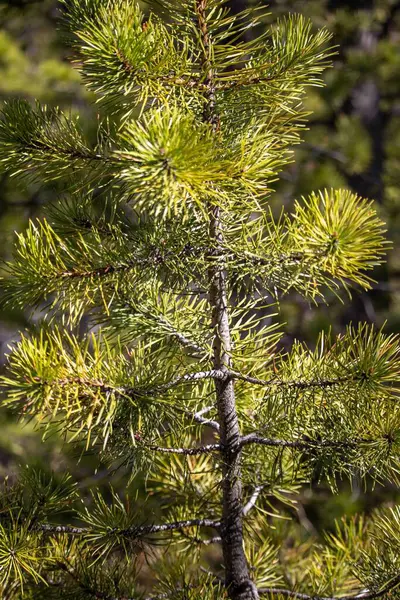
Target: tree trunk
237, 575
238, 579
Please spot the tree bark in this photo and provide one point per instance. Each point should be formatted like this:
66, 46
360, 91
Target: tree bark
238, 582
237, 575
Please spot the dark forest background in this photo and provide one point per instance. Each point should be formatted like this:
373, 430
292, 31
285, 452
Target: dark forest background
353, 141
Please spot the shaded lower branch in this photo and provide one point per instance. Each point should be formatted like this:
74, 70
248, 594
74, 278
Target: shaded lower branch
366, 595
84, 586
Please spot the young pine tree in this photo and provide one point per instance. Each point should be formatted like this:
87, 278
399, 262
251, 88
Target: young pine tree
166, 244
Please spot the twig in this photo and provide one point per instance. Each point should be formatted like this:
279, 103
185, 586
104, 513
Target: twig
197, 376
320, 383
200, 419
46, 528
201, 541
253, 499
253, 438
187, 451
182, 339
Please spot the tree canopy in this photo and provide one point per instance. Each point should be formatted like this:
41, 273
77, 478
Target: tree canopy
164, 244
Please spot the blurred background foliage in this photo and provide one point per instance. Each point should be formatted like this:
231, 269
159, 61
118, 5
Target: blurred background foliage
353, 140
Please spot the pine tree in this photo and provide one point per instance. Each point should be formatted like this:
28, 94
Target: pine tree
165, 244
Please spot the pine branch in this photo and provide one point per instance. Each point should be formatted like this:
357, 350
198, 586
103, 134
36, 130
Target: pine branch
302, 385
110, 269
133, 392
295, 57
253, 438
134, 159
134, 532
126, 57
215, 374
44, 139
202, 541
366, 595
187, 451
61, 529
333, 238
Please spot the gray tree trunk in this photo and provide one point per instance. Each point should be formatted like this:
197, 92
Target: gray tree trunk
237, 575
